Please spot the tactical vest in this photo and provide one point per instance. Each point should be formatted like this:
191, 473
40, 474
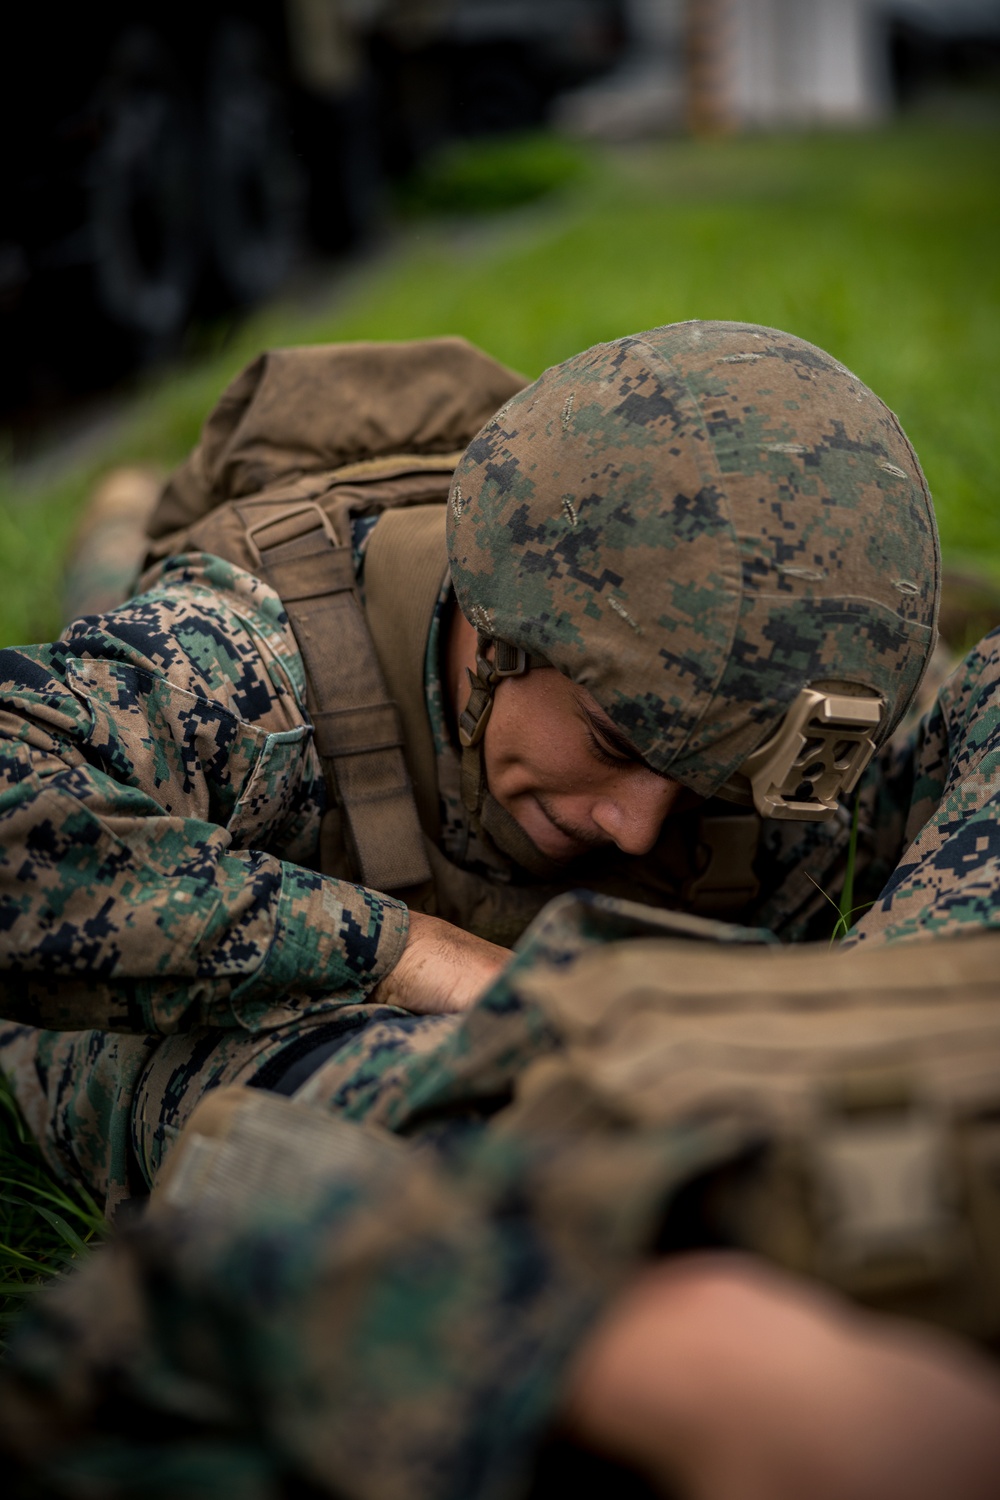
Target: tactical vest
863, 1084
263, 491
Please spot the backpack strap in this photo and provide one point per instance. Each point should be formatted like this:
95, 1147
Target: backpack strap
405, 566
358, 732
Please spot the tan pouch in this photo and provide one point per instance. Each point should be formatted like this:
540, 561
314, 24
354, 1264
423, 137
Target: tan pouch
870, 1081
245, 1147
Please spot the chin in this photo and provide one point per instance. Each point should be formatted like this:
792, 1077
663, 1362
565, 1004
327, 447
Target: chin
560, 856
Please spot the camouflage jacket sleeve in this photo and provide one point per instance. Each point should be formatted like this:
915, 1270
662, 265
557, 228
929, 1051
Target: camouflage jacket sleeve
927, 857
802, 866
160, 801
946, 878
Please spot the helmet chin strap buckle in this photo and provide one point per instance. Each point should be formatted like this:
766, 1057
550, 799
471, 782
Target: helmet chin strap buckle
508, 661
818, 753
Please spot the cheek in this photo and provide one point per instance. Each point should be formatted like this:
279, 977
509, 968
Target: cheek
527, 759
535, 739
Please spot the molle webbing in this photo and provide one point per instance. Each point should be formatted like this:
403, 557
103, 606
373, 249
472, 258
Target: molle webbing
358, 733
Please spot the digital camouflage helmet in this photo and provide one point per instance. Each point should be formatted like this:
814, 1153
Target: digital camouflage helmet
725, 537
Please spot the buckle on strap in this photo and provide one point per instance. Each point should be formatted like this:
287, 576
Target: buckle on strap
508, 661
288, 526
727, 846
820, 749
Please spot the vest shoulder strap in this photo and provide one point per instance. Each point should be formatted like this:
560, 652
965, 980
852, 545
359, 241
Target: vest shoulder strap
358, 733
405, 566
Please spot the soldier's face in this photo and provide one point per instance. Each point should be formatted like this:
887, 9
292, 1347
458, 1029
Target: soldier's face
559, 766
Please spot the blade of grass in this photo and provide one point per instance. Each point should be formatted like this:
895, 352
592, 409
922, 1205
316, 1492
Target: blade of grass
68, 1235
846, 904
7, 1252
86, 1209
45, 1226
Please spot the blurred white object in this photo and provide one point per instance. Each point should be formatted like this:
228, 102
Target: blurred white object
807, 62
724, 65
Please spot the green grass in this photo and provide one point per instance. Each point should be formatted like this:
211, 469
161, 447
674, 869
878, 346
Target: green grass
43, 1229
882, 248
488, 177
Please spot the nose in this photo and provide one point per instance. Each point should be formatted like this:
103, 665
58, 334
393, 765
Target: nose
634, 812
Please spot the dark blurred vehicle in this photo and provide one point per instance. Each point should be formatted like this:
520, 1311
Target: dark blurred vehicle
941, 46
162, 162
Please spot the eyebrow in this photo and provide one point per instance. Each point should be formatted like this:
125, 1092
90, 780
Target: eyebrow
611, 735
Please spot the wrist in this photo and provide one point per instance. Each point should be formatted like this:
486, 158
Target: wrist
718, 1376
645, 1383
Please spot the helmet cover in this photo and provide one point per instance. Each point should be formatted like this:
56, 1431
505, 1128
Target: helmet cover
694, 524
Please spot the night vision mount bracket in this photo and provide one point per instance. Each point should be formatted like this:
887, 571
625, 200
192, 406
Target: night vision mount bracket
818, 753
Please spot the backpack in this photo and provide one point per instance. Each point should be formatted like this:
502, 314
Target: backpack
304, 442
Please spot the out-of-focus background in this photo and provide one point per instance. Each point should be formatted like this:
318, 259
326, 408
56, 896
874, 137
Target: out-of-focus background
534, 174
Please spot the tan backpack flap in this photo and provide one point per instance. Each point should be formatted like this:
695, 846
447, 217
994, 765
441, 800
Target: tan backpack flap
223, 530
366, 488
311, 410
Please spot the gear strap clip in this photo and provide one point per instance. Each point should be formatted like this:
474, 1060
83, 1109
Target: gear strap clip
508, 661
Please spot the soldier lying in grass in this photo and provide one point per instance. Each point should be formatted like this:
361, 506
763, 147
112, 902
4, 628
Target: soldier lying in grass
379, 702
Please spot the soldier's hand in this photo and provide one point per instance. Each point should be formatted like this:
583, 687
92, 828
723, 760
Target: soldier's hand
441, 968
722, 1379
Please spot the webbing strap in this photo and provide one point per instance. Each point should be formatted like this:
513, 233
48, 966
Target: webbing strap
405, 567
391, 465
357, 727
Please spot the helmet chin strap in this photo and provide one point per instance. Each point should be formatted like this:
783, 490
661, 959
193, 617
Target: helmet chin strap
496, 821
508, 661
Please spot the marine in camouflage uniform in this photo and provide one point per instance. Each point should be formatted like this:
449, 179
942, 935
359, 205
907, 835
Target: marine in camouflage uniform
694, 524
402, 1326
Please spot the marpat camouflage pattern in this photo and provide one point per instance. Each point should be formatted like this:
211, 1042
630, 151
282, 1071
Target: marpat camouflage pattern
695, 523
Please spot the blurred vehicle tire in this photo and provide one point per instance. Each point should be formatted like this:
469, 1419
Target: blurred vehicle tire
496, 90
347, 199
255, 188
143, 195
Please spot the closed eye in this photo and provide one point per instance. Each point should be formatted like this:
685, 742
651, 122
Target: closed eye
607, 744
607, 757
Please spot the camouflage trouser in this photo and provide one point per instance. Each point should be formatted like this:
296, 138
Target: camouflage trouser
107, 1107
